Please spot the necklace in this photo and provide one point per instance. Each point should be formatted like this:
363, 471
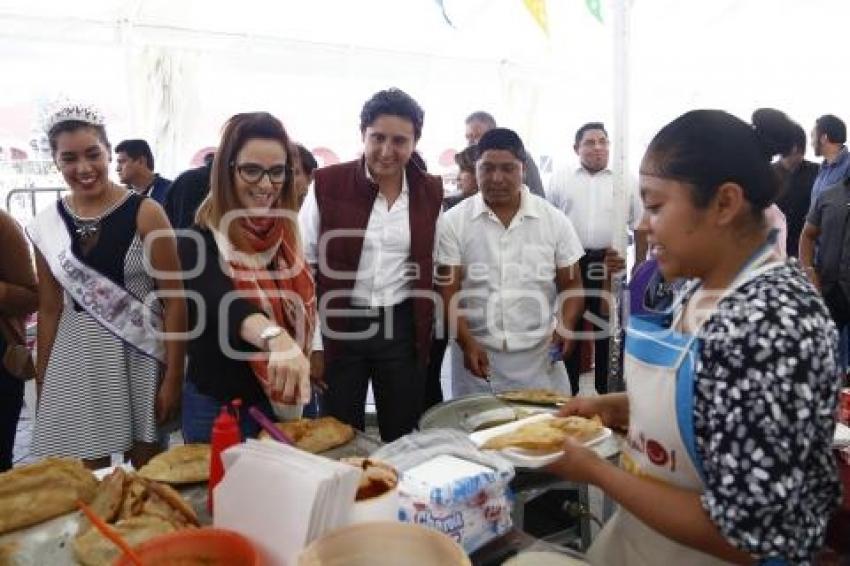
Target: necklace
87, 227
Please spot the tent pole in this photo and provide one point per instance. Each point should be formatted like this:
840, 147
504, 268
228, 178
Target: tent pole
619, 307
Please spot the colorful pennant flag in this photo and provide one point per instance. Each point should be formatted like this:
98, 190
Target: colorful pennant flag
595, 7
537, 8
443, 10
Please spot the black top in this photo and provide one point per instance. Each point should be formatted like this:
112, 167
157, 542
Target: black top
765, 393
213, 371
114, 236
831, 213
795, 199
184, 197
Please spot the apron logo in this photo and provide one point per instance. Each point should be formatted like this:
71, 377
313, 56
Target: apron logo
655, 452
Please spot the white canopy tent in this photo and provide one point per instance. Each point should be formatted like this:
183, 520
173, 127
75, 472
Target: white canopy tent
172, 72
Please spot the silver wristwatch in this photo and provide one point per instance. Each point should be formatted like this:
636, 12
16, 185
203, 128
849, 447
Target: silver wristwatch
269, 332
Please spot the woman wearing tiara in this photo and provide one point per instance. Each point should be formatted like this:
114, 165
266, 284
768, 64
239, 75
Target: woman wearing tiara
106, 373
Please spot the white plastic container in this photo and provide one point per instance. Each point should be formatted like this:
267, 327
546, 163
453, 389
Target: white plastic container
287, 412
381, 507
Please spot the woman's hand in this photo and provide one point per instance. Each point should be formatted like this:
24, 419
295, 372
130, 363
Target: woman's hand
168, 398
612, 408
289, 371
578, 463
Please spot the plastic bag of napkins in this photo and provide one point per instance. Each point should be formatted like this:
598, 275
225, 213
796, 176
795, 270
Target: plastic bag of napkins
447, 484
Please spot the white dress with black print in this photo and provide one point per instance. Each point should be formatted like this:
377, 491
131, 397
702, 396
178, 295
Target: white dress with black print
99, 392
764, 414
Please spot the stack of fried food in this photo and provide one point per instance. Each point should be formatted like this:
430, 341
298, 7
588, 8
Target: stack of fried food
315, 435
49, 488
547, 435
181, 464
138, 508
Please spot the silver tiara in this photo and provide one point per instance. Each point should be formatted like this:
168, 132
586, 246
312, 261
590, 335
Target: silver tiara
66, 111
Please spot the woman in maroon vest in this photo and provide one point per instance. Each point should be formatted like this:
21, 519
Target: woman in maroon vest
368, 228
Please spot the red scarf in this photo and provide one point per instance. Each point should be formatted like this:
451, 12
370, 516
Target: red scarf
296, 314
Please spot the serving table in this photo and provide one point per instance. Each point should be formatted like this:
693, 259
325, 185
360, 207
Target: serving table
50, 542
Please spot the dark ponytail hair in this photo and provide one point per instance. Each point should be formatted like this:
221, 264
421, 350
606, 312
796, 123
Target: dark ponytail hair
776, 128
706, 148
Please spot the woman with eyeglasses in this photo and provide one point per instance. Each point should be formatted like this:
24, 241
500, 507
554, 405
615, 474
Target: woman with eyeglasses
731, 395
251, 299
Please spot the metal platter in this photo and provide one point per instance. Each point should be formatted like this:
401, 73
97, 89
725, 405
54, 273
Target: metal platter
361, 445
476, 412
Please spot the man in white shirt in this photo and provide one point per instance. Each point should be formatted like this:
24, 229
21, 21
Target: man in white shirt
586, 195
480, 122
508, 273
368, 229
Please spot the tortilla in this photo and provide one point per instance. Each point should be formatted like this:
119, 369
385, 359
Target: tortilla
178, 509
534, 396
315, 435
94, 549
32, 494
547, 435
144, 510
186, 463
107, 501
135, 493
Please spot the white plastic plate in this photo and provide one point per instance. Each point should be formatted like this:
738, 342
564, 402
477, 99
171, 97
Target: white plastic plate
526, 458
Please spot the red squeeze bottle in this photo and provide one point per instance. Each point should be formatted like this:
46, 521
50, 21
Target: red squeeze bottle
225, 433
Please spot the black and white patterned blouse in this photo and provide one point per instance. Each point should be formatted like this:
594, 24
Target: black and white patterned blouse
766, 388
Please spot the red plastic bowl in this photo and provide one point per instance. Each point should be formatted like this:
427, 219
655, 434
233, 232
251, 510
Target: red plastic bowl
213, 547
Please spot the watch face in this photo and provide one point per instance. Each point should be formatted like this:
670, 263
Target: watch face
271, 332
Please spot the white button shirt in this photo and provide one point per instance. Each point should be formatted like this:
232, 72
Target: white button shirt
588, 200
383, 274
508, 288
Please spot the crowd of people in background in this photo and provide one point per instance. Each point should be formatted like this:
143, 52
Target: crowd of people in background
263, 277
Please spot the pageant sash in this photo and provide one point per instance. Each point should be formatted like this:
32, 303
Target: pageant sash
112, 306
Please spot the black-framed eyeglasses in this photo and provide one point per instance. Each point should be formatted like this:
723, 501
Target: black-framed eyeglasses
253, 173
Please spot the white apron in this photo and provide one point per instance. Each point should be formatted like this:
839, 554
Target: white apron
525, 369
659, 372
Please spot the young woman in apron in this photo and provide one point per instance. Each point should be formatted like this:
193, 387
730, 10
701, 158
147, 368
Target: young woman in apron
731, 395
